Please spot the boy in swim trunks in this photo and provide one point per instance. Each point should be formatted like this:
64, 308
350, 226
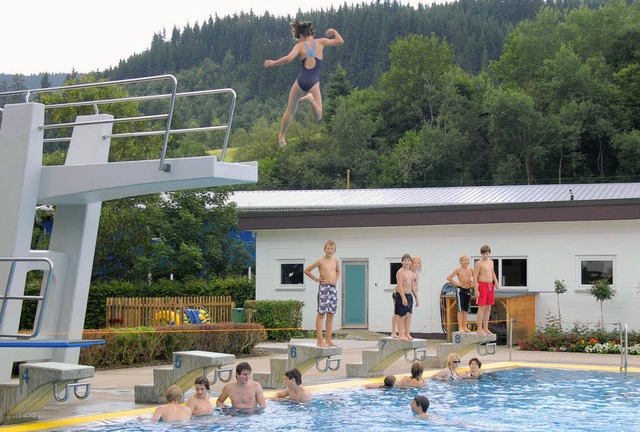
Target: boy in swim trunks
485, 282
407, 290
329, 269
307, 84
464, 273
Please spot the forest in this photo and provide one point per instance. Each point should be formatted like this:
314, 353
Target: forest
466, 93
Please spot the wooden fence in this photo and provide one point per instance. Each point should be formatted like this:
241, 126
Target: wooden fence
155, 311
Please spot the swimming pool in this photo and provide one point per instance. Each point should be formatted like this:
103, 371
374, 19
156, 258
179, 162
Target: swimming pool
522, 399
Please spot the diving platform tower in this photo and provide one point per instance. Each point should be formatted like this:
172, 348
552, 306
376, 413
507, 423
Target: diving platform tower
77, 190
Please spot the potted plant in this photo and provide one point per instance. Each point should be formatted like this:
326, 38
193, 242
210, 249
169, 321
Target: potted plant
602, 291
560, 288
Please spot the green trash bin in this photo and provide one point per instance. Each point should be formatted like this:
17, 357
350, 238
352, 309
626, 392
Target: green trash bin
238, 315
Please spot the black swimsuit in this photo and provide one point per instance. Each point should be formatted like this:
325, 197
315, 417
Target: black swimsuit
307, 78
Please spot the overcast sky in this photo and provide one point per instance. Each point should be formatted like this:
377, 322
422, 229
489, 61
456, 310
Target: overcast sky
59, 35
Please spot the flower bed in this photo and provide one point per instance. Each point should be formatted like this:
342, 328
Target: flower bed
580, 338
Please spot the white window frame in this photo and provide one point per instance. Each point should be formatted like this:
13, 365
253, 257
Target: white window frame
290, 287
580, 287
499, 259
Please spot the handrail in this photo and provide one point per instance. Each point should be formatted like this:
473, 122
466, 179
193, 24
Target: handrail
624, 347
41, 298
167, 117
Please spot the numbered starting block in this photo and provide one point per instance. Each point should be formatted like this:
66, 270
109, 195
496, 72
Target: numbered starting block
300, 356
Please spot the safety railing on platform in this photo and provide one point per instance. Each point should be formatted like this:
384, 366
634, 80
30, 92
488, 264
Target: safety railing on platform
167, 117
41, 299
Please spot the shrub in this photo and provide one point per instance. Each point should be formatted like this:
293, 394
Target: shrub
277, 314
579, 339
144, 345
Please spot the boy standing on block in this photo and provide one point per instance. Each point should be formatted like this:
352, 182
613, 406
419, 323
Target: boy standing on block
485, 281
329, 270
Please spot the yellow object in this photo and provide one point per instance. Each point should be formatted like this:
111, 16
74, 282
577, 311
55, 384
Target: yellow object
167, 317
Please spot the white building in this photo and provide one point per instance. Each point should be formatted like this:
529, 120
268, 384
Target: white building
537, 234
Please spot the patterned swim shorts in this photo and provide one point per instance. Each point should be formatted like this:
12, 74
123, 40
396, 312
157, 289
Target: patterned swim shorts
327, 299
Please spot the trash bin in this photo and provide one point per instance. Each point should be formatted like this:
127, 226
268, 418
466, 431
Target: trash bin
238, 315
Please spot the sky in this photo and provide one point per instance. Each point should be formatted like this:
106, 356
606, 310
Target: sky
60, 35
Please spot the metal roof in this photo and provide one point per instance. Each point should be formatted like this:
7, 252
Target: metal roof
335, 199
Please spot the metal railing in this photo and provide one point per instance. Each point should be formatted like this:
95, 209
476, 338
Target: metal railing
624, 347
41, 299
163, 117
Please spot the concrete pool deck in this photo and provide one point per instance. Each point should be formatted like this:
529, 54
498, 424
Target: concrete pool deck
112, 393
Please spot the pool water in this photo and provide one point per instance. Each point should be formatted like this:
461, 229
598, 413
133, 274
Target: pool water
522, 399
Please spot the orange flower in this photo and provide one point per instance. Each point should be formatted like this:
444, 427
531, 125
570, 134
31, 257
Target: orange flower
592, 340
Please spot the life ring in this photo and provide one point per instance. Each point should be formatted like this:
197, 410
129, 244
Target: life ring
196, 316
167, 317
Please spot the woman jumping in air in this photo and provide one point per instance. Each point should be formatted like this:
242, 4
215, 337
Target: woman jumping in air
307, 84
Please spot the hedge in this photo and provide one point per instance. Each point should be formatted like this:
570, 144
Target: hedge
145, 345
277, 314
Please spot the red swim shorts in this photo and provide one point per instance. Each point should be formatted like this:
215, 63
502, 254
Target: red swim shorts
485, 294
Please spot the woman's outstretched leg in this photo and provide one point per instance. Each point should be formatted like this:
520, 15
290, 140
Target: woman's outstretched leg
295, 94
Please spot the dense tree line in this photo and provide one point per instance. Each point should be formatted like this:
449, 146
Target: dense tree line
559, 105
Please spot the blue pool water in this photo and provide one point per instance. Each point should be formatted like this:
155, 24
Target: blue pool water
510, 400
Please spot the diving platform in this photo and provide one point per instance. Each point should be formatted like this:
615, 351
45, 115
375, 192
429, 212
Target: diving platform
40, 384
463, 342
77, 189
374, 362
302, 356
186, 367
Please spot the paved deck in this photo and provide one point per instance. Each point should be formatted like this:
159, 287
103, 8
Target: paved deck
112, 390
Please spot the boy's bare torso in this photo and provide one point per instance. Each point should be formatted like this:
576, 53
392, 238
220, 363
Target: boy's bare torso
464, 275
328, 268
406, 279
485, 270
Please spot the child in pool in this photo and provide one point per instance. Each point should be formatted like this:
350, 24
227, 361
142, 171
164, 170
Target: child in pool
199, 402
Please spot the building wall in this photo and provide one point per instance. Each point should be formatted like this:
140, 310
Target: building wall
552, 251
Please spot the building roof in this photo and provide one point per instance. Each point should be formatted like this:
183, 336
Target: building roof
319, 208
420, 197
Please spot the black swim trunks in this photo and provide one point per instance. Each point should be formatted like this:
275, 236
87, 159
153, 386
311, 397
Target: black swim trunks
464, 299
400, 309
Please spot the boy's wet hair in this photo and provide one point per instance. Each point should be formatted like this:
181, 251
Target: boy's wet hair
389, 381
463, 256
295, 374
416, 370
484, 249
330, 243
406, 256
173, 394
302, 28
203, 381
422, 402
477, 360
243, 367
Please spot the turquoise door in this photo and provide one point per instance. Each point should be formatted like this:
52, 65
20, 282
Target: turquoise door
354, 281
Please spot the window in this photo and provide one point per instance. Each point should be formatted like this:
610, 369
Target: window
595, 268
291, 273
511, 272
393, 269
